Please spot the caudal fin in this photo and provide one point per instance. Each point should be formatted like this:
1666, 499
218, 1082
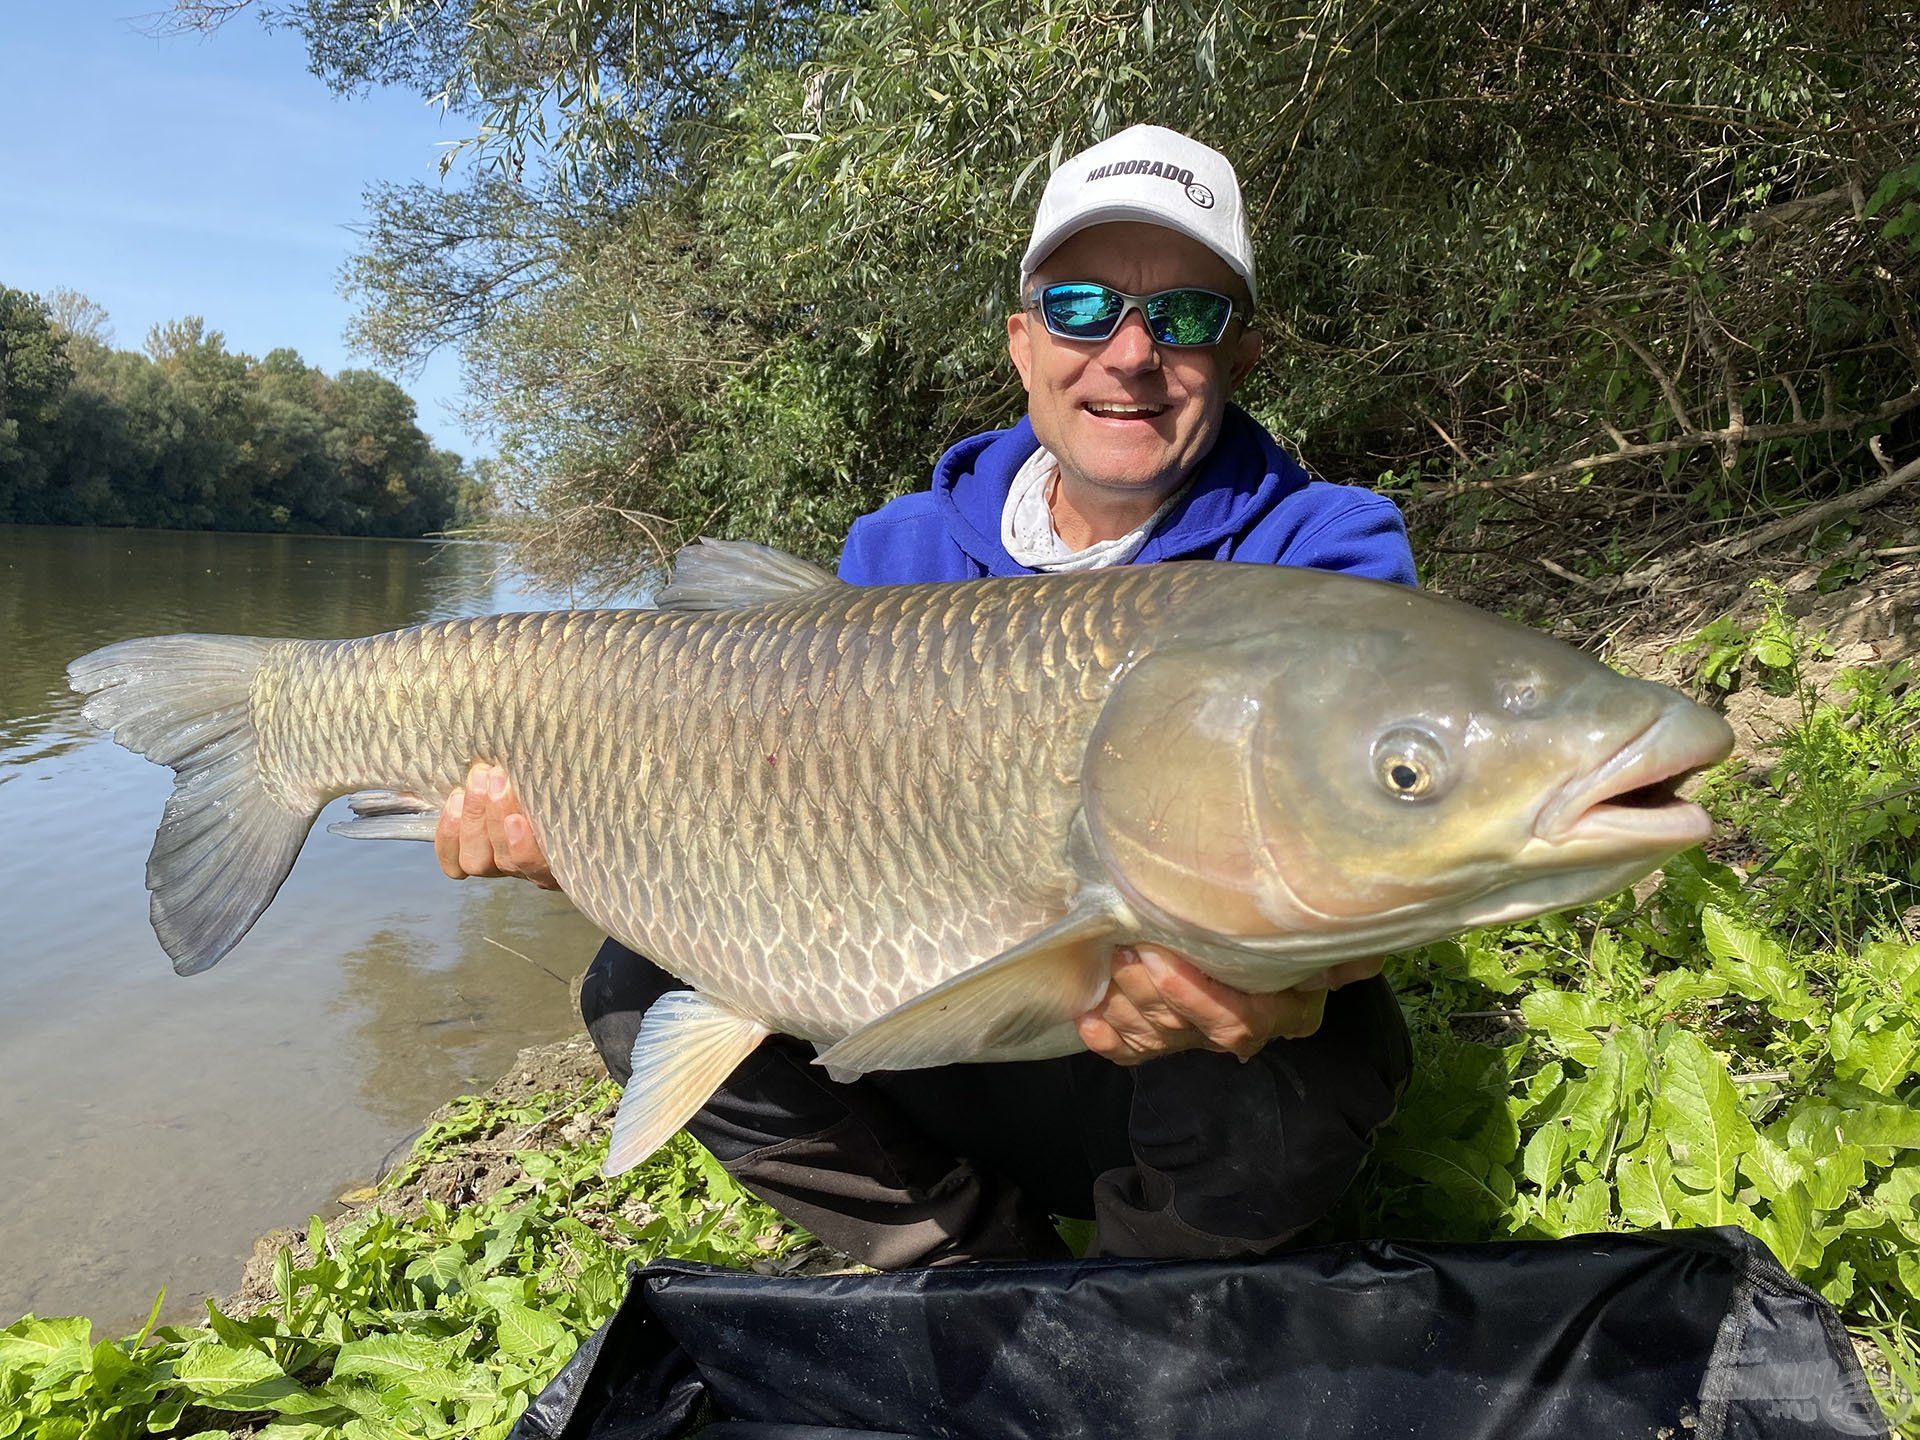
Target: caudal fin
224, 844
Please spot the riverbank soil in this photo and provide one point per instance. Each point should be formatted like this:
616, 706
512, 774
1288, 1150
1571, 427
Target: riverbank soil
468, 1171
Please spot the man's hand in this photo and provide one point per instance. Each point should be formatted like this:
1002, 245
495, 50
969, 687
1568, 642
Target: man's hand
1160, 1002
483, 832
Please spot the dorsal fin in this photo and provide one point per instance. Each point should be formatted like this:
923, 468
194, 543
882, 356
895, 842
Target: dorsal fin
720, 574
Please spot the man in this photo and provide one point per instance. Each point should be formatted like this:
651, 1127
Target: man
1200, 1121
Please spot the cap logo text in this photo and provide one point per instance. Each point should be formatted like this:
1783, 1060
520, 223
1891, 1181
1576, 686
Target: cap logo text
1160, 170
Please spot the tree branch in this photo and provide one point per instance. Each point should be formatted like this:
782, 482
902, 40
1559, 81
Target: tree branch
1806, 519
1666, 382
1732, 435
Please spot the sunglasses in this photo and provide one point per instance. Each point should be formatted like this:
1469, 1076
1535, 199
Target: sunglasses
1081, 310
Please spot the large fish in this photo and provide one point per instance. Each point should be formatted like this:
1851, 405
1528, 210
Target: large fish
910, 823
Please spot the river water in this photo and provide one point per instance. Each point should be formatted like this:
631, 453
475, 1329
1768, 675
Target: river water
151, 1126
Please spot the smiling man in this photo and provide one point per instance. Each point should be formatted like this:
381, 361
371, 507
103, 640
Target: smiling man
1201, 1121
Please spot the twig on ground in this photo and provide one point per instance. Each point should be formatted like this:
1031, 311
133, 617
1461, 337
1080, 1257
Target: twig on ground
1565, 574
528, 958
570, 1108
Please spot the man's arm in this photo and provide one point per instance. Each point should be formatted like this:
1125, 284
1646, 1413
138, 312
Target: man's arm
1359, 533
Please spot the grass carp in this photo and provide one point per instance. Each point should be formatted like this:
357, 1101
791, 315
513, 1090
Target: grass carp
910, 823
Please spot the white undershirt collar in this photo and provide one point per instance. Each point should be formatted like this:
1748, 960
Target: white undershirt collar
1027, 531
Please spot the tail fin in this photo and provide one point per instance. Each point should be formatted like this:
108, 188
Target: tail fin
224, 844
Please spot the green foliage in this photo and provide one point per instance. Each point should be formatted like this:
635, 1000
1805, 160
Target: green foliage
34, 374
1626, 267
1774, 648
194, 436
1896, 201
1835, 816
442, 1323
1832, 819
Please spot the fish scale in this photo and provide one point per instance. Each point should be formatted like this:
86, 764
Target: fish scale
723, 861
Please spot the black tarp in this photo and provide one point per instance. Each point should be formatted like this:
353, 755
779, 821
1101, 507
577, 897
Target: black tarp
1696, 1335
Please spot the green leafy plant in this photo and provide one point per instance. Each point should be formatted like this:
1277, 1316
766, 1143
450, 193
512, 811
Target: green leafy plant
1838, 811
1832, 820
1896, 202
440, 1323
1775, 647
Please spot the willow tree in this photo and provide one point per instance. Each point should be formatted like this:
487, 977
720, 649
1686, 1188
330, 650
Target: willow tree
1596, 276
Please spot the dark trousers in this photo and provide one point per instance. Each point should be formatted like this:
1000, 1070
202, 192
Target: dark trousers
1193, 1155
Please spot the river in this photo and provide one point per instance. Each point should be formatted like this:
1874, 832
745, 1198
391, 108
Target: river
151, 1126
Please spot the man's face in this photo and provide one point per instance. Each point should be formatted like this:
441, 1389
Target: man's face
1125, 415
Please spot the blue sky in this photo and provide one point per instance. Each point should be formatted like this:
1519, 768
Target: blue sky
200, 176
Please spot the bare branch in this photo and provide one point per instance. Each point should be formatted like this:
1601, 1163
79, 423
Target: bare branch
1565, 574
189, 17
1861, 499
1696, 440
1452, 444
1666, 381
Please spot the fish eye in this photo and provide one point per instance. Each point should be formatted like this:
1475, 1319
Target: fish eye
1408, 764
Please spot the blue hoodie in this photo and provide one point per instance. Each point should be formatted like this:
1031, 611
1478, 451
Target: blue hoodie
1249, 501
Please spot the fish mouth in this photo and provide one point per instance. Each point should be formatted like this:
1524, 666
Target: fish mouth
1632, 802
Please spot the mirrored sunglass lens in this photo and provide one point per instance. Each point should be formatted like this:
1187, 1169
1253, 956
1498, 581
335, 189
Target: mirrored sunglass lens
1080, 309
1188, 317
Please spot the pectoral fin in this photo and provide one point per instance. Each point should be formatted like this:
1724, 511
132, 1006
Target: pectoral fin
687, 1046
1003, 1004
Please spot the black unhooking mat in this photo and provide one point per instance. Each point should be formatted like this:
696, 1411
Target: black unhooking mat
1697, 1335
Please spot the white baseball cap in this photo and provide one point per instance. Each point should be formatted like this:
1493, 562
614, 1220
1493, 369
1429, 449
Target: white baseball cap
1151, 174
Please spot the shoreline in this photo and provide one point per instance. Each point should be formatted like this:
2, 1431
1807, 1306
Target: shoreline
460, 1174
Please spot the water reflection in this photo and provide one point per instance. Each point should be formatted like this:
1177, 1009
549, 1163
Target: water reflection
425, 1017
154, 1125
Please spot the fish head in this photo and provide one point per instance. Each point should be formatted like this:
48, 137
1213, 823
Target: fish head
1385, 771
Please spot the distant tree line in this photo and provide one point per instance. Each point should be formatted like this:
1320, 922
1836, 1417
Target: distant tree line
190, 435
